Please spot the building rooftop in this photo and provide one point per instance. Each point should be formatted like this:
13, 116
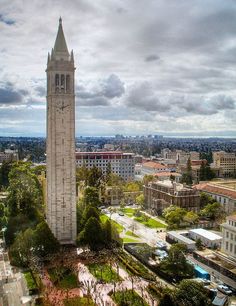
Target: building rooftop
178, 235
223, 189
206, 234
167, 174
154, 165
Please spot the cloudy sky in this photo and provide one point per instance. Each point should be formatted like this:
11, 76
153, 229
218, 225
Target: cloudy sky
143, 67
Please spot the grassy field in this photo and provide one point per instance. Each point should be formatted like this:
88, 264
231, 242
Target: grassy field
82, 301
128, 297
118, 226
104, 272
129, 211
129, 233
152, 223
30, 281
129, 240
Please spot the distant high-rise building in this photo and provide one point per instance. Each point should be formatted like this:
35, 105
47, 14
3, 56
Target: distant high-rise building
226, 162
61, 181
121, 164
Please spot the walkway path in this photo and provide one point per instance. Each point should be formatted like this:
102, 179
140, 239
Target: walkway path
100, 292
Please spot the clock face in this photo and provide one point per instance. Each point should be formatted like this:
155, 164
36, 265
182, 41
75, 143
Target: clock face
62, 106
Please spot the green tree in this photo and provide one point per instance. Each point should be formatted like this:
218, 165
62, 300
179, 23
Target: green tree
92, 234
140, 200
192, 293
167, 300
107, 232
147, 179
191, 217
95, 177
212, 211
21, 249
133, 186
205, 172
89, 212
176, 265
25, 193
205, 199
174, 216
199, 244
4, 172
44, 241
91, 196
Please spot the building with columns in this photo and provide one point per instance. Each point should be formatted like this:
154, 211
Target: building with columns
61, 167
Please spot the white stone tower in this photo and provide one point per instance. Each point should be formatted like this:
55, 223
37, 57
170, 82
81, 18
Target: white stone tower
61, 166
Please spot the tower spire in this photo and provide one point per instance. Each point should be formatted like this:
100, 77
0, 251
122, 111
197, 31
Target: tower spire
60, 47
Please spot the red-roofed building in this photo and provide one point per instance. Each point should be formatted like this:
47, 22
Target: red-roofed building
152, 167
222, 193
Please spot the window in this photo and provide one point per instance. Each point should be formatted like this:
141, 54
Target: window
227, 245
231, 236
67, 83
227, 234
62, 81
231, 247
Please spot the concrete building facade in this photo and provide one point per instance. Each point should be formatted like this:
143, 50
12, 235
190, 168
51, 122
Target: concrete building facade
61, 180
122, 164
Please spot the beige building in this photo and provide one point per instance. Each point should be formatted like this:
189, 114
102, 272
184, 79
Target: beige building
226, 162
61, 181
229, 236
8, 156
161, 194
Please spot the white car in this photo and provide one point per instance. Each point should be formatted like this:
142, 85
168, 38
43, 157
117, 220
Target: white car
224, 289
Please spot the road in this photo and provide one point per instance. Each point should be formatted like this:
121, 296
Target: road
149, 235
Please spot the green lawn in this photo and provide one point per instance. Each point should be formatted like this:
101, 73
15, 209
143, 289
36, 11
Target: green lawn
129, 233
30, 281
129, 211
63, 278
152, 223
118, 226
82, 301
104, 272
129, 240
128, 297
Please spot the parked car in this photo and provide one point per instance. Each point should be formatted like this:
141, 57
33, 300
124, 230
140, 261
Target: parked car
120, 213
224, 289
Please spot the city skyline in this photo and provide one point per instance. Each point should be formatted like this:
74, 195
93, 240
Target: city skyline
154, 68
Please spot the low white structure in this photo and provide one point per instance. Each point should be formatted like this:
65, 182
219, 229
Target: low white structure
178, 237
209, 239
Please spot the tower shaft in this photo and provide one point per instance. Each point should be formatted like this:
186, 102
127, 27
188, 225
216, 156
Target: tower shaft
61, 165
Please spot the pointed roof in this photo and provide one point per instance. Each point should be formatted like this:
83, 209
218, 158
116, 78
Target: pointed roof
60, 43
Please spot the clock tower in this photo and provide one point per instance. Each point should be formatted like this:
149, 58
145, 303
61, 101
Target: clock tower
61, 166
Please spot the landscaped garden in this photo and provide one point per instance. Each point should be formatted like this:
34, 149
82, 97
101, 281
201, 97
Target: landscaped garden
149, 222
31, 284
82, 301
104, 272
128, 297
63, 278
142, 218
